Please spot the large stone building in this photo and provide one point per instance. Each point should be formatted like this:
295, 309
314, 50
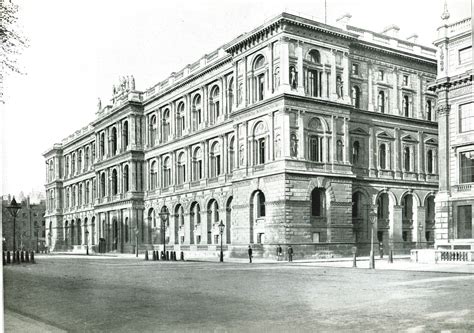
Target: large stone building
294, 133
30, 225
455, 89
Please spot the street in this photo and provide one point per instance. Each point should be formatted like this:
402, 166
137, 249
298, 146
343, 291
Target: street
131, 295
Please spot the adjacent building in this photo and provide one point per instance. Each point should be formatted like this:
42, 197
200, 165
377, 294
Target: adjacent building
455, 89
296, 132
30, 225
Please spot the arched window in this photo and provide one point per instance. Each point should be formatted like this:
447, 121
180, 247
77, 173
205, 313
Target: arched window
153, 129
125, 134
231, 159
79, 161
356, 96
230, 94
86, 158
259, 78
114, 182
314, 74
406, 106
125, 179
382, 206
68, 162
66, 202
113, 140
165, 123
429, 110
73, 164
181, 168
260, 143
74, 195
381, 101
180, 120
260, 203
407, 207
79, 195
197, 112
102, 184
102, 144
215, 103
429, 162
355, 152
318, 202
315, 140
383, 156
87, 193
407, 159
166, 172
153, 176
126, 230
197, 164
215, 160
339, 151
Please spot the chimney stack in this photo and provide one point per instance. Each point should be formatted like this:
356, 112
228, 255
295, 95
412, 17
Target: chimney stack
391, 30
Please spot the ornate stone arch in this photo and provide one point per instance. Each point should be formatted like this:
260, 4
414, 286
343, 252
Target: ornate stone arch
391, 196
321, 182
415, 196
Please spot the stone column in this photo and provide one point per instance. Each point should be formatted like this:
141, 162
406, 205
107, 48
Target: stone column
245, 92
270, 82
205, 159
396, 92
420, 167
420, 219
284, 65
397, 154
347, 150
301, 145
236, 147
299, 65
371, 87
373, 152
346, 79
332, 152
395, 222
236, 88
205, 105
172, 121
225, 153
271, 144
332, 82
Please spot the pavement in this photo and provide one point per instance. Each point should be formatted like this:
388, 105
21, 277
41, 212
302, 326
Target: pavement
25, 322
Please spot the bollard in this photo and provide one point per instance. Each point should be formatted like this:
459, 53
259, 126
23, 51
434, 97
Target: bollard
155, 255
182, 256
146, 254
173, 256
354, 260
8, 257
162, 255
27, 257
17, 257
22, 256
167, 255
32, 255
390, 257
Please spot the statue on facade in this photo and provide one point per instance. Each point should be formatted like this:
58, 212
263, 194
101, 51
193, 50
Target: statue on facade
241, 155
99, 104
294, 146
293, 77
277, 78
339, 87
240, 94
132, 82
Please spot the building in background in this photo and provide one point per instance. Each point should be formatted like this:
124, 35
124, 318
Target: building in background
295, 133
455, 89
30, 224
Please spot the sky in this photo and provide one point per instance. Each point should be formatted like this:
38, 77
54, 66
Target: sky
78, 50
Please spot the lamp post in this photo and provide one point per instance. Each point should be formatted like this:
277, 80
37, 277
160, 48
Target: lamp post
49, 242
136, 242
13, 208
164, 215
420, 230
87, 241
37, 228
221, 231
373, 217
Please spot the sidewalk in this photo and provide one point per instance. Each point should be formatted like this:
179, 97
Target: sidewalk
400, 262
15, 322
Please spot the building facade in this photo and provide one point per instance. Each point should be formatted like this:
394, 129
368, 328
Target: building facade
455, 89
294, 133
30, 225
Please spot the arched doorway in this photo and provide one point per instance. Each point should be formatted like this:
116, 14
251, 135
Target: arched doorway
72, 234
429, 220
383, 218
360, 221
115, 231
195, 223
79, 232
179, 234
212, 219
409, 225
257, 217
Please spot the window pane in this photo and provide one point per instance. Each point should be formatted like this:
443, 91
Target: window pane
466, 117
465, 55
464, 221
467, 167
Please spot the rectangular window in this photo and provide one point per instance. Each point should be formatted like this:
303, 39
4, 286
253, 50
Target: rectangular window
464, 221
381, 75
355, 69
467, 167
405, 80
465, 55
198, 239
466, 117
315, 237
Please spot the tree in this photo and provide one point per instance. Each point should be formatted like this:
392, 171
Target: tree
12, 41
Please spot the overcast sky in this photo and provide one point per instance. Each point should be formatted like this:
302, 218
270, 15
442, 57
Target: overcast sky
80, 48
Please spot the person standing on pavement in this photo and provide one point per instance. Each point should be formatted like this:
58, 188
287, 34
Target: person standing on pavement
279, 252
290, 253
250, 254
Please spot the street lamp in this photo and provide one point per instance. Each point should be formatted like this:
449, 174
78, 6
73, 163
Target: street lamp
13, 209
221, 231
373, 218
420, 230
164, 215
49, 242
37, 228
136, 241
87, 241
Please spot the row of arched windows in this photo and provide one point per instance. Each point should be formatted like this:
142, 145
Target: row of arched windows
80, 194
115, 185
79, 161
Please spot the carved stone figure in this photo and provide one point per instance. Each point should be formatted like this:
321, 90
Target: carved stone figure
277, 78
99, 104
132, 83
293, 77
240, 93
339, 87
241, 155
294, 146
